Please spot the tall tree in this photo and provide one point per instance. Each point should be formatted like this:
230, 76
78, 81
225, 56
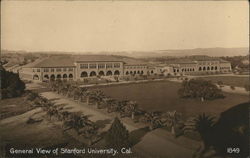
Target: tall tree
98, 97
117, 136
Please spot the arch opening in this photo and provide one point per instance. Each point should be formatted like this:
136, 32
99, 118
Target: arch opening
35, 77
52, 77
109, 73
101, 73
58, 76
70, 76
92, 73
117, 72
46, 77
84, 74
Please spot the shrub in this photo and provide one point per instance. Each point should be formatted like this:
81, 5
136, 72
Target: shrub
198, 88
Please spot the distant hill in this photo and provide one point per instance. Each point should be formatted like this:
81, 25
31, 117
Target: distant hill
216, 52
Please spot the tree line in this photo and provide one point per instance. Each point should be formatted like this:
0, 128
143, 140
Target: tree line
125, 108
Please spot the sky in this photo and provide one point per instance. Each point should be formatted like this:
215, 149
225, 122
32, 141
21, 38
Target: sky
80, 26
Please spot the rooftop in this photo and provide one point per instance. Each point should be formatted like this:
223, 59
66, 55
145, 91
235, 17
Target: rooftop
69, 60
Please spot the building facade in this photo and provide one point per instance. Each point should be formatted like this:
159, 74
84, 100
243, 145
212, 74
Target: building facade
197, 68
77, 69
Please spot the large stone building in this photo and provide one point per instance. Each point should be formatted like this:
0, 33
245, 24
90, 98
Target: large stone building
90, 66
82, 67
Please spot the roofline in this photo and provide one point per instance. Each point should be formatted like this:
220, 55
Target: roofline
135, 64
98, 61
50, 67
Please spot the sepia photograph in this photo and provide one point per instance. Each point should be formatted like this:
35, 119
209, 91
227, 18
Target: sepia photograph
124, 78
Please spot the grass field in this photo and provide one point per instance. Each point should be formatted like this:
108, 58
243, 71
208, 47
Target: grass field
15, 132
162, 96
230, 80
13, 106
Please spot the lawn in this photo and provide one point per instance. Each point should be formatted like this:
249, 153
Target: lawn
162, 96
237, 81
13, 106
16, 133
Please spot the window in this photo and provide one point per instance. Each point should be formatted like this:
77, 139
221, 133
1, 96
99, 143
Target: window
34, 70
46, 70
84, 66
58, 70
70, 69
64, 69
117, 65
52, 70
101, 66
92, 66
38, 70
110, 65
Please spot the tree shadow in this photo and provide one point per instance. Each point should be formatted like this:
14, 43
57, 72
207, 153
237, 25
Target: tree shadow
136, 135
102, 123
61, 105
54, 99
67, 108
232, 130
88, 115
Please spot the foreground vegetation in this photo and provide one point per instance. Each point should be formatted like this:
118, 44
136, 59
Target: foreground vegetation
11, 84
71, 120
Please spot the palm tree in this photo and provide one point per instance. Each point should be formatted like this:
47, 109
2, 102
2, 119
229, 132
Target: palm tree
82, 93
203, 124
121, 107
98, 97
53, 85
88, 94
111, 104
32, 96
70, 91
52, 111
173, 118
63, 115
76, 93
75, 121
131, 108
64, 90
155, 120
57, 86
